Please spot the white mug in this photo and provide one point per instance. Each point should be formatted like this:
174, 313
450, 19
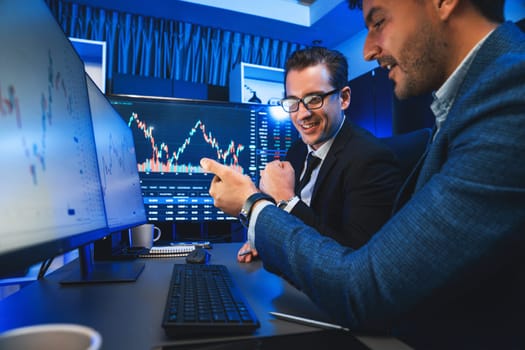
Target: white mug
51, 336
144, 235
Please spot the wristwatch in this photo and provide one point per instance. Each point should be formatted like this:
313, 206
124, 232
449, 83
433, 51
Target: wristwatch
246, 211
283, 203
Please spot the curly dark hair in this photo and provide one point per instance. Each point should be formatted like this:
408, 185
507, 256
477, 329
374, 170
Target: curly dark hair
491, 9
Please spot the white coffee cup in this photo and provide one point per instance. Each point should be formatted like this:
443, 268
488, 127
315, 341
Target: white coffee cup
144, 235
51, 336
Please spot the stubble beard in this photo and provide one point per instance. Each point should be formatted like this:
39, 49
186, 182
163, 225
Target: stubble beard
420, 63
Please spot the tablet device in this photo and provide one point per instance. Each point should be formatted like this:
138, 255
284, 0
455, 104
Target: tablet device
327, 339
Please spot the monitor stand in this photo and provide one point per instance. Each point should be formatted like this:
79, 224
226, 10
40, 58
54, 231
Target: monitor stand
102, 272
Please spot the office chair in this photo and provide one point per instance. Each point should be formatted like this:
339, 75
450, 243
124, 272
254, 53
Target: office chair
408, 147
521, 24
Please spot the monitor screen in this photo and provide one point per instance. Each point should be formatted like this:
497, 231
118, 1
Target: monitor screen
172, 135
117, 163
51, 198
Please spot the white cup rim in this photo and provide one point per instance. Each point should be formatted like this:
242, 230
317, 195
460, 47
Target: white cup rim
94, 336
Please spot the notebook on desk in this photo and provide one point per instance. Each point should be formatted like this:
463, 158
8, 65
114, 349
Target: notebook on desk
167, 251
174, 249
107, 249
131, 253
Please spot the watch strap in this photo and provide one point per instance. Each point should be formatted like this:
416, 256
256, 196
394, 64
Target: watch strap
246, 211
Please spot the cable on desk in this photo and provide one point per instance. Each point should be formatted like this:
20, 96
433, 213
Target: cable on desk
44, 267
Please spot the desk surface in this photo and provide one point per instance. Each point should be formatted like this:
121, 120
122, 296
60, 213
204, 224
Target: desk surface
129, 315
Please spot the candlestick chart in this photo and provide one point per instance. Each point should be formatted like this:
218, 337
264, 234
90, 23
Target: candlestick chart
177, 145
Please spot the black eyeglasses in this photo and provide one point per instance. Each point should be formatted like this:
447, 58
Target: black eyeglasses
315, 101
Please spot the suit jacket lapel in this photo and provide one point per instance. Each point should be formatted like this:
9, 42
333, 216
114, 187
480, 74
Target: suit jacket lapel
298, 159
342, 138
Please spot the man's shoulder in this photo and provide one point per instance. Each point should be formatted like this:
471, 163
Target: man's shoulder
495, 76
504, 48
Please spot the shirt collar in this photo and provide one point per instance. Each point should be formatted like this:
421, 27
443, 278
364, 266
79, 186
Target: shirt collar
445, 96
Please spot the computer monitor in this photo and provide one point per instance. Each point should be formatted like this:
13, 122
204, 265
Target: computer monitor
172, 135
52, 199
119, 176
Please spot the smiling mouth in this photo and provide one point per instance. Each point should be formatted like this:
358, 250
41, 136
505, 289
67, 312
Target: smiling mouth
390, 66
308, 125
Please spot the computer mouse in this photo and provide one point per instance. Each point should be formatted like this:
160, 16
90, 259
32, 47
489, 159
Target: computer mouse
198, 256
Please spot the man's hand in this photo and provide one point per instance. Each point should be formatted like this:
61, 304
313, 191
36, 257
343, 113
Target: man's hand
278, 180
246, 254
229, 188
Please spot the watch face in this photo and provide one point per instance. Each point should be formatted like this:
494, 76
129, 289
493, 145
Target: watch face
282, 204
243, 217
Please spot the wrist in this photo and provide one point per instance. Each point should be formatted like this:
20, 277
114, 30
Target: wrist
247, 208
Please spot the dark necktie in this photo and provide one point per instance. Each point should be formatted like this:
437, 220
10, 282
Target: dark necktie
311, 163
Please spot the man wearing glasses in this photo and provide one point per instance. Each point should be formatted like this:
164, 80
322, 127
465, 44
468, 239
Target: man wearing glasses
338, 177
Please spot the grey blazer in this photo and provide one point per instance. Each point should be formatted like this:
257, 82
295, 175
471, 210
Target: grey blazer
447, 271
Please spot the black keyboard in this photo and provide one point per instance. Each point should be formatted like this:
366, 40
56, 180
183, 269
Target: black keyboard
203, 299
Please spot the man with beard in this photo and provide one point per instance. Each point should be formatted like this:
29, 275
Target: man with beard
445, 272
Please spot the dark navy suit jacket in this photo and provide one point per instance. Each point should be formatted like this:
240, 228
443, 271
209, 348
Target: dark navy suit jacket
447, 271
355, 189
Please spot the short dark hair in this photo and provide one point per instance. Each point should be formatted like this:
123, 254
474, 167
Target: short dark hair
335, 62
491, 9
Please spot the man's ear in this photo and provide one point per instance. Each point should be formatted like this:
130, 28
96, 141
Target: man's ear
346, 94
444, 8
